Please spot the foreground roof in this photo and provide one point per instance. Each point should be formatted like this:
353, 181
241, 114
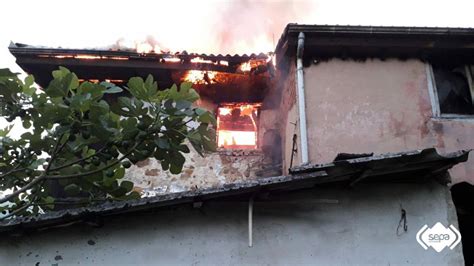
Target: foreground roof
413, 166
326, 41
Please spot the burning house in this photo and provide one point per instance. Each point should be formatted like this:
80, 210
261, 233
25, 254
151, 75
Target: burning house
333, 139
237, 88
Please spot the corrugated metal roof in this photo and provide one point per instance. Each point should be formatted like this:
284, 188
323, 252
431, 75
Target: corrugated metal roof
412, 166
243, 85
325, 41
20, 49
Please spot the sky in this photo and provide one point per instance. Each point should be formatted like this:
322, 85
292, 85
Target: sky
204, 26
217, 26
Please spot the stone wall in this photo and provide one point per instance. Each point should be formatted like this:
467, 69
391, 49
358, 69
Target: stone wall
223, 166
198, 172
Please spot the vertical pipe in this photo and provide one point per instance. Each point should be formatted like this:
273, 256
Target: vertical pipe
250, 221
301, 99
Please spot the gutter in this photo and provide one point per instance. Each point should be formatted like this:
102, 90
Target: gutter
301, 99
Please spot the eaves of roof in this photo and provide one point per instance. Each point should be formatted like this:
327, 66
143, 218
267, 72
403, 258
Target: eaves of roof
326, 41
412, 166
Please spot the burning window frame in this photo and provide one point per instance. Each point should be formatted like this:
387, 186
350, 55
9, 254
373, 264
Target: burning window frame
250, 110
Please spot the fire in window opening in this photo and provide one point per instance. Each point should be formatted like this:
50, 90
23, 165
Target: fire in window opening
237, 125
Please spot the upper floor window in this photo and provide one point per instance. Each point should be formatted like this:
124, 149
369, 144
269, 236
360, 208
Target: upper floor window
453, 89
237, 125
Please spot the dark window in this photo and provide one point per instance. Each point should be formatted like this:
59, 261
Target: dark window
454, 88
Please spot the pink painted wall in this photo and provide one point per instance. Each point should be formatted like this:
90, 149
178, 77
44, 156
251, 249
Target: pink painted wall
378, 106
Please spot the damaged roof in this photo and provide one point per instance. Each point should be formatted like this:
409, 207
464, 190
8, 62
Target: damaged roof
412, 166
427, 43
167, 68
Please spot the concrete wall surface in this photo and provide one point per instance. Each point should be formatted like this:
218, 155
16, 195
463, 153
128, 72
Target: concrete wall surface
319, 226
378, 106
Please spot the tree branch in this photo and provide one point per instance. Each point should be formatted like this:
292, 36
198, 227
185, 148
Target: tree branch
22, 208
39, 178
97, 170
14, 170
78, 161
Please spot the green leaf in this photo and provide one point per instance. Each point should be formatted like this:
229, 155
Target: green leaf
72, 189
162, 143
29, 80
186, 86
127, 185
55, 89
110, 183
184, 148
4, 132
151, 86
175, 169
96, 90
207, 117
26, 123
200, 111
27, 89
136, 86
124, 107
132, 195
63, 82
177, 161
81, 102
49, 202
183, 104
119, 173
98, 109
71, 81
119, 192
6, 73
209, 144
165, 164
61, 72
93, 178
114, 89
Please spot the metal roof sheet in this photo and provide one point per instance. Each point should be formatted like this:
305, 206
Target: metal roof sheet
412, 166
348, 41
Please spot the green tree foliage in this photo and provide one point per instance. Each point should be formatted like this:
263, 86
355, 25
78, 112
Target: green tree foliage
83, 142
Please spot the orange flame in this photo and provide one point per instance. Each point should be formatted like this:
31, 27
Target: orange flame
253, 63
237, 138
201, 60
245, 67
200, 77
225, 111
228, 138
172, 60
86, 56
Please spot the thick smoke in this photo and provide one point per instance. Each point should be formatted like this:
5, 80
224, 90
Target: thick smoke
237, 26
244, 26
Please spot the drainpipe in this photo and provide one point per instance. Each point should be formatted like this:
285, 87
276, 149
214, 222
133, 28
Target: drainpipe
301, 98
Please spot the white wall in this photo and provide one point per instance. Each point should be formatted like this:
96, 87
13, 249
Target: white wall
318, 226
